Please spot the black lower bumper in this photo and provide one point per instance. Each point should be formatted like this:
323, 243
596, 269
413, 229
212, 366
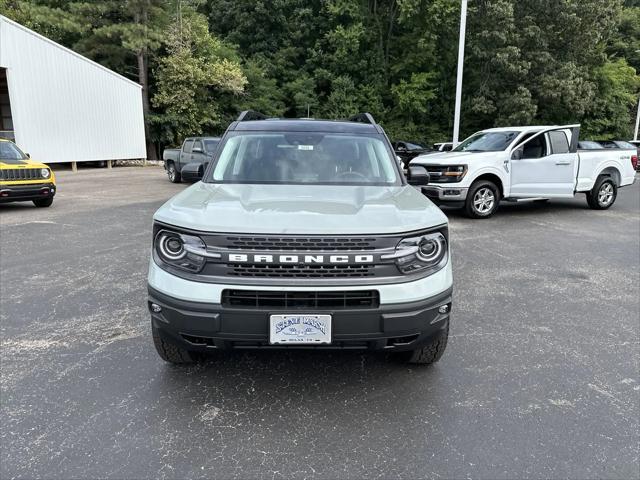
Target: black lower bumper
201, 326
19, 193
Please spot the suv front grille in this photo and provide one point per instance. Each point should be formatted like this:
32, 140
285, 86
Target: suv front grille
300, 271
21, 174
301, 243
303, 300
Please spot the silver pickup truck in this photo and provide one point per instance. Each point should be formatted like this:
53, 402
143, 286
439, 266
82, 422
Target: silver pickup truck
302, 234
190, 161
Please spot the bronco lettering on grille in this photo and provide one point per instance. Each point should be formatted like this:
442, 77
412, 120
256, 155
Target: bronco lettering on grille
298, 259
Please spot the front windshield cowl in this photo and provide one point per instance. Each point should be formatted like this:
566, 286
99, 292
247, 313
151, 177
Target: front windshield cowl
304, 158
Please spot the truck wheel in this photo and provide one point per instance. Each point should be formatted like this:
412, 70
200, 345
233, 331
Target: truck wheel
43, 202
603, 194
482, 199
173, 174
169, 352
429, 353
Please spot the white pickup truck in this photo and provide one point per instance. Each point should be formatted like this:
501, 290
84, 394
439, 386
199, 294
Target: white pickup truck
525, 163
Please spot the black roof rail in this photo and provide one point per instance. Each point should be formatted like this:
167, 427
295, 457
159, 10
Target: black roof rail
249, 115
363, 118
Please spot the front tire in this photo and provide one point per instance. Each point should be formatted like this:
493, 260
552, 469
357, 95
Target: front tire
169, 352
173, 173
603, 194
482, 199
429, 353
43, 202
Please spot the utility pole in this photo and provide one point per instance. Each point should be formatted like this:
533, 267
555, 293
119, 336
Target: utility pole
456, 115
635, 135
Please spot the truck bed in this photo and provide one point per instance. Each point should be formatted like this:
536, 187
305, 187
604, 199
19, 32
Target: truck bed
171, 154
616, 161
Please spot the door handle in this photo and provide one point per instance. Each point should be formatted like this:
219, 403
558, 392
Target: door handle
563, 162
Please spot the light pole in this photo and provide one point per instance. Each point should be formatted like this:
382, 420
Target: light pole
635, 135
456, 115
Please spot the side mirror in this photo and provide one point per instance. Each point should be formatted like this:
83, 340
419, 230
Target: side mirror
27, 155
417, 175
401, 148
196, 150
517, 154
192, 172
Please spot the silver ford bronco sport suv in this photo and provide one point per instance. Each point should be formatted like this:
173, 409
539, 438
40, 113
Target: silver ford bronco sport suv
301, 234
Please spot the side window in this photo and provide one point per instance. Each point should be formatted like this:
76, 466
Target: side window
535, 148
197, 144
559, 143
188, 145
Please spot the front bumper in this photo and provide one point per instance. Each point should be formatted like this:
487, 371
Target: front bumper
449, 194
25, 192
207, 326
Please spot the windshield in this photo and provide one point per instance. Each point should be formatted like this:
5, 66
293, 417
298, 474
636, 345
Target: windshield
210, 145
305, 158
413, 146
487, 142
8, 152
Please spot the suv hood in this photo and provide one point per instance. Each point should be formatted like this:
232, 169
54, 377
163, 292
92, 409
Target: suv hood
452, 158
300, 209
6, 164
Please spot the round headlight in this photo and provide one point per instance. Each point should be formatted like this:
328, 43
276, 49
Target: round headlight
171, 247
45, 173
429, 249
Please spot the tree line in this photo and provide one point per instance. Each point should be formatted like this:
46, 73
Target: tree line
200, 62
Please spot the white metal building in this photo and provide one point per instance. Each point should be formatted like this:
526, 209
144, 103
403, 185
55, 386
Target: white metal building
62, 107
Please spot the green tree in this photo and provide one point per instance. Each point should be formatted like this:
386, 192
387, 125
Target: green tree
539, 61
610, 116
196, 71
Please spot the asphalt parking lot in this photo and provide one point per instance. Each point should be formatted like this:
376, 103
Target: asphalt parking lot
540, 378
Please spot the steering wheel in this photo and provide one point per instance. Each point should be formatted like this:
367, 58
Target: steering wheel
352, 174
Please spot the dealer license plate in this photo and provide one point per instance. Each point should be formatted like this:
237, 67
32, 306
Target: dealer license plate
300, 329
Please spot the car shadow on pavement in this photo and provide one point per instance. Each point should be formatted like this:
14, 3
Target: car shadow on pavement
314, 377
13, 206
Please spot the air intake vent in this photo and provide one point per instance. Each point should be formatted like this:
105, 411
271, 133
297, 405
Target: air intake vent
300, 300
301, 243
257, 270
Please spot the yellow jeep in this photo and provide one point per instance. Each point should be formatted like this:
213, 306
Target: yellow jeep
23, 179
